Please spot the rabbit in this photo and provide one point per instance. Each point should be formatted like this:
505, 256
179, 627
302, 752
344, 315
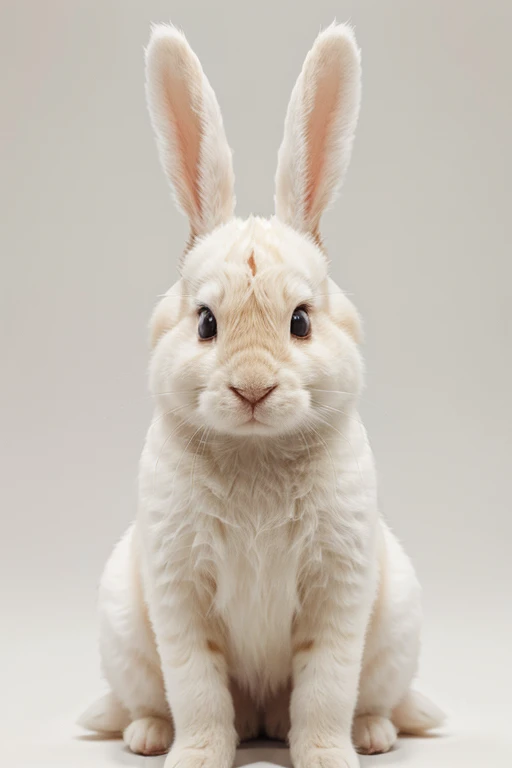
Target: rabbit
258, 590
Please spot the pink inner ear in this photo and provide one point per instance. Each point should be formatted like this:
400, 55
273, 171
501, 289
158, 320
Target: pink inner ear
183, 104
320, 131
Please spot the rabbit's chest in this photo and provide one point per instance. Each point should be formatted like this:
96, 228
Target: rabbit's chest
256, 599
261, 530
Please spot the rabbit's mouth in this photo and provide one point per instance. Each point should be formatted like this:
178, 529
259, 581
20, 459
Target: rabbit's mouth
253, 420
255, 423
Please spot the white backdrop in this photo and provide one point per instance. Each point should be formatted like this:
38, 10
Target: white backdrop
420, 238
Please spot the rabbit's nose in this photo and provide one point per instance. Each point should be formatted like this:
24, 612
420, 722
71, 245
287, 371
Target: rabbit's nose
253, 395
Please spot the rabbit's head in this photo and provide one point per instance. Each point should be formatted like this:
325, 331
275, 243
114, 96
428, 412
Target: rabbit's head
255, 338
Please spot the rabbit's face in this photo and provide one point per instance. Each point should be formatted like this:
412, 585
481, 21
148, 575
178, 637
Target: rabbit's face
255, 339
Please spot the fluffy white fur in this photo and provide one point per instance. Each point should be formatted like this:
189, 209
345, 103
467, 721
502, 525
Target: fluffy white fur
258, 589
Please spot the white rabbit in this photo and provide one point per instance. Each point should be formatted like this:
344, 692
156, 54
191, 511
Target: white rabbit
258, 590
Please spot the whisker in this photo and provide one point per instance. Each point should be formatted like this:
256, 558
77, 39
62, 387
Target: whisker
334, 471
175, 296
334, 391
342, 392
199, 429
124, 403
179, 392
166, 413
193, 296
305, 443
337, 410
201, 446
345, 438
171, 433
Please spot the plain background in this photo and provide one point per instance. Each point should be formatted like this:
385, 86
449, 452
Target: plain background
421, 240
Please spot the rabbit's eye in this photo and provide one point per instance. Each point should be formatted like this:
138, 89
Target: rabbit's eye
207, 327
300, 324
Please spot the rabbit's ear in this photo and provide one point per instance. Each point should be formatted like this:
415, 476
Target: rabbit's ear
319, 129
190, 135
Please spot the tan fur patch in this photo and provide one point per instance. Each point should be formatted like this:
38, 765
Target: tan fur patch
317, 237
303, 647
252, 264
213, 647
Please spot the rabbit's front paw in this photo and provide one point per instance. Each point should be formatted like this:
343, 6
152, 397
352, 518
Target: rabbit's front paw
373, 734
343, 756
149, 736
202, 757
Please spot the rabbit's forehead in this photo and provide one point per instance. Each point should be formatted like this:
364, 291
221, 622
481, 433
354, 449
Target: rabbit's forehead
272, 288
256, 254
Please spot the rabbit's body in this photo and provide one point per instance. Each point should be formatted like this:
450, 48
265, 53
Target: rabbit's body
264, 553
258, 588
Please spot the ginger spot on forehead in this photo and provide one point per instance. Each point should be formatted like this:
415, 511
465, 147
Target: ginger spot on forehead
213, 646
303, 647
252, 264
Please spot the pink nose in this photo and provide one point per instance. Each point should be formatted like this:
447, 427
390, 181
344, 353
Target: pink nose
253, 395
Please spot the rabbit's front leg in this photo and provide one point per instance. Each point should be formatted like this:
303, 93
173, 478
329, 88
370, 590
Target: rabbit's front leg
328, 648
196, 681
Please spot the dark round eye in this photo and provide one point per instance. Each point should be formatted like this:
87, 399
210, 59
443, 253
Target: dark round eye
300, 325
207, 327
